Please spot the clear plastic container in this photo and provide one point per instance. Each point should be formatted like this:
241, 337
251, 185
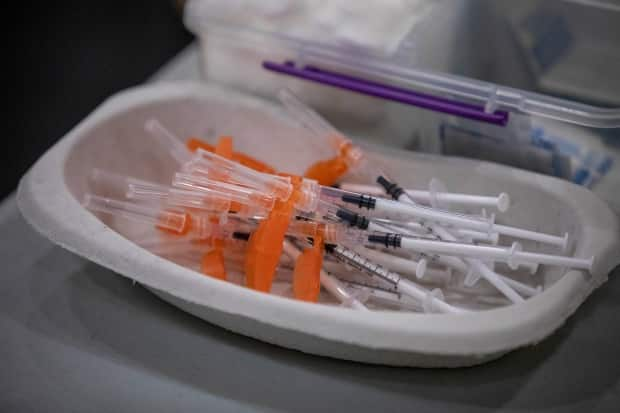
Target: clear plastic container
532, 83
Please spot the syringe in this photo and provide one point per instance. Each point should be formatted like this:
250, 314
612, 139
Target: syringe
403, 285
400, 195
214, 167
501, 201
477, 268
481, 294
322, 128
331, 284
419, 230
407, 212
506, 285
512, 256
375, 225
419, 269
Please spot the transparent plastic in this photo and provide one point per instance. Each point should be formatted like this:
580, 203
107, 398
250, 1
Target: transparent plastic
203, 201
129, 186
216, 167
249, 201
405, 266
511, 255
406, 209
419, 230
342, 146
309, 196
501, 201
400, 210
330, 233
141, 190
175, 221
432, 301
168, 141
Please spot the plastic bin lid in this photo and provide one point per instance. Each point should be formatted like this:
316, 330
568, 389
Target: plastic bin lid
437, 54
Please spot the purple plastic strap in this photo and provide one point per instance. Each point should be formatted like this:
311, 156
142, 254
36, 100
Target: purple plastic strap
397, 94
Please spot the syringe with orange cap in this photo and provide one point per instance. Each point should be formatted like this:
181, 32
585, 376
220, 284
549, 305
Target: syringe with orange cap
205, 232
182, 223
431, 300
195, 193
199, 181
274, 254
309, 193
312, 193
306, 194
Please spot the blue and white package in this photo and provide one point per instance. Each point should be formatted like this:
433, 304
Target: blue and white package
543, 146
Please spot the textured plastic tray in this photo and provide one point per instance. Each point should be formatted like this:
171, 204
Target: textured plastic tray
112, 137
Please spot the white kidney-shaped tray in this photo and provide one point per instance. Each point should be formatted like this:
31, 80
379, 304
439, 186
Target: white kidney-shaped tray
113, 138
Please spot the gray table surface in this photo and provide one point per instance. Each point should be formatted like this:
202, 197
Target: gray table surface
77, 337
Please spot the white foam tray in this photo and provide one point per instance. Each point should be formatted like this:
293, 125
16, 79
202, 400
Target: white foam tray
112, 137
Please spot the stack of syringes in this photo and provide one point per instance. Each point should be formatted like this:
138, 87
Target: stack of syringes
230, 216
